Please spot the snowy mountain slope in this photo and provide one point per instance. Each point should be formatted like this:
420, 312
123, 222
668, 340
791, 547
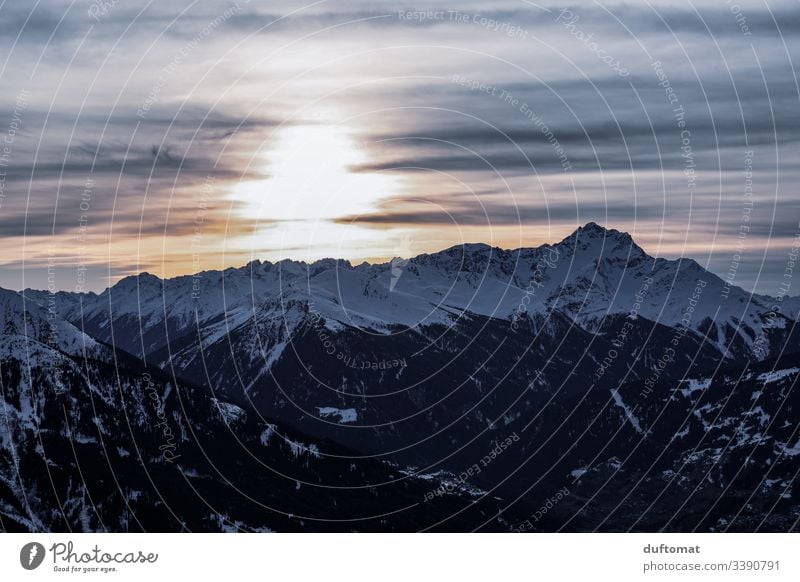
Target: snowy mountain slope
699, 454
26, 322
108, 444
589, 275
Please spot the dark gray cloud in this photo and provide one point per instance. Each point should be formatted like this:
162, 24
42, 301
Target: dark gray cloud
606, 125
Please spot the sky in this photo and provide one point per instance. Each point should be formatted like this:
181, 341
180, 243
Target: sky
178, 136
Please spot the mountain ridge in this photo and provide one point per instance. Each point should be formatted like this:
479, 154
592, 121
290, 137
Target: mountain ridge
590, 227
589, 275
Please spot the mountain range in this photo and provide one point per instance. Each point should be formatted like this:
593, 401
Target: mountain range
578, 386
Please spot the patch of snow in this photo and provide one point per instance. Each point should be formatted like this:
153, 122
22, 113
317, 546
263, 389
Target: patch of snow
694, 385
792, 451
230, 413
628, 412
764, 417
345, 415
776, 375
298, 449
266, 434
682, 433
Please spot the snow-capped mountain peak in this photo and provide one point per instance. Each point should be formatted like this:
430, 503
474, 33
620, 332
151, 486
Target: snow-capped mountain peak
588, 276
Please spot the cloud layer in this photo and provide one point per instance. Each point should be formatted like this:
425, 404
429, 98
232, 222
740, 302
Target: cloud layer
130, 130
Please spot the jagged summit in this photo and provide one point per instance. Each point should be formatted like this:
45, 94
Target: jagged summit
592, 227
594, 234
142, 278
591, 230
467, 248
595, 230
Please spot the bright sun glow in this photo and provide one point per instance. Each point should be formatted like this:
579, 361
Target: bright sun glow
311, 184
310, 177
